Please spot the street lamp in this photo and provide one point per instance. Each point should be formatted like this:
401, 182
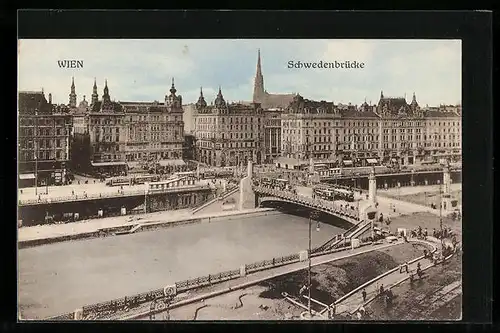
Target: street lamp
312, 215
36, 151
441, 214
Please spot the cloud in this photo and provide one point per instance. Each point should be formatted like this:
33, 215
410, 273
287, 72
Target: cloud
142, 69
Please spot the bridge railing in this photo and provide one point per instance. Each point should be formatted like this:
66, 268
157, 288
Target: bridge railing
119, 193
321, 204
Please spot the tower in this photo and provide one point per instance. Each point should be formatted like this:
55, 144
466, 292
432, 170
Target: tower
247, 195
72, 95
258, 88
381, 94
95, 96
173, 101
201, 101
414, 104
219, 100
105, 95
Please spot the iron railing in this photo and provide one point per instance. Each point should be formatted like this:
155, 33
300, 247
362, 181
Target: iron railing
121, 193
329, 206
105, 309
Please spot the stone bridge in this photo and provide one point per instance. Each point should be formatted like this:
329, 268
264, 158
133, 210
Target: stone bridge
344, 212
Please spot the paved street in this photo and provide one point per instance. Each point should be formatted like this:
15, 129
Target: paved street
91, 189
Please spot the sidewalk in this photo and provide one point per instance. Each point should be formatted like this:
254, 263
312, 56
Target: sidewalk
402, 207
75, 191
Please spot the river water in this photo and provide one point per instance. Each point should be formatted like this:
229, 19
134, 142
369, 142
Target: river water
62, 277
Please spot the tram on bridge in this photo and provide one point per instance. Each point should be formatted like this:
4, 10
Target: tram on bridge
131, 180
334, 193
278, 183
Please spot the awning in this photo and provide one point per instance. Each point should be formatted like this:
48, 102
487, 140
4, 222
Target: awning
27, 176
371, 160
98, 164
172, 162
347, 162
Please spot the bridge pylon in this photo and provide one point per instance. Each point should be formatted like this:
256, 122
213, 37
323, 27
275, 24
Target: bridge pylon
247, 195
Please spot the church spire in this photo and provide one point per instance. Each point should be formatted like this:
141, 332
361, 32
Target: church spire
105, 96
95, 96
414, 103
72, 95
381, 94
258, 88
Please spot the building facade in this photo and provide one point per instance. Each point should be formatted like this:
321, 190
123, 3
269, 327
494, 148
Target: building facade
98, 137
154, 131
358, 138
307, 129
112, 137
43, 140
228, 134
392, 132
442, 138
272, 134
402, 130
187, 117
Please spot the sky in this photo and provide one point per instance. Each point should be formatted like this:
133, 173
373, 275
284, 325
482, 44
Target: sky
142, 70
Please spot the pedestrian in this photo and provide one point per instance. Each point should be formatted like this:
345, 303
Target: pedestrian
381, 289
358, 315
364, 295
419, 272
404, 267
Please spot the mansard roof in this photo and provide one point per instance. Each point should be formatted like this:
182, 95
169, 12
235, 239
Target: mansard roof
276, 100
354, 113
440, 114
29, 101
143, 107
110, 106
